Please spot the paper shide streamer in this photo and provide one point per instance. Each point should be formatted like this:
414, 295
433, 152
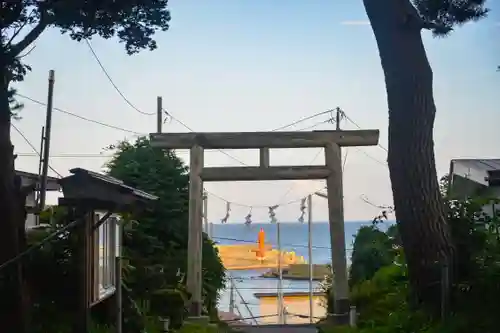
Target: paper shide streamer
302, 210
272, 213
248, 218
228, 211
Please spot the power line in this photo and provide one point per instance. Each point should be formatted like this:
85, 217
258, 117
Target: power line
113, 83
363, 197
191, 130
359, 127
187, 127
291, 187
81, 155
273, 130
330, 120
81, 117
135, 132
183, 124
33, 147
281, 204
371, 157
304, 119
110, 79
286, 244
96, 57
170, 114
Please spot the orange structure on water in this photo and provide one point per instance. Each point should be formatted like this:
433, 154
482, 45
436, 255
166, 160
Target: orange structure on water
261, 240
258, 255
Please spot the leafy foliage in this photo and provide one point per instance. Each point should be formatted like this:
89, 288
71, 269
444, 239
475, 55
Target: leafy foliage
154, 245
372, 250
419, 209
383, 299
443, 15
156, 239
133, 22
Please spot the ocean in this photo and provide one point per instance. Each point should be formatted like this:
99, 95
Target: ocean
294, 237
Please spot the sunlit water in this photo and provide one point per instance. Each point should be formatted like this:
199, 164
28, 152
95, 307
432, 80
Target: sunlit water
294, 237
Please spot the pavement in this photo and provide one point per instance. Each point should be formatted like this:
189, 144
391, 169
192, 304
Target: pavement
279, 329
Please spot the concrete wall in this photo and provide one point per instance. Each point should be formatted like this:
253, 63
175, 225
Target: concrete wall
28, 179
31, 218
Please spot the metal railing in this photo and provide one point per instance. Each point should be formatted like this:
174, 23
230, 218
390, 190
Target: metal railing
234, 289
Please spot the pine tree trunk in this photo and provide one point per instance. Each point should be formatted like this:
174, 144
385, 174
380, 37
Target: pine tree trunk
12, 298
409, 83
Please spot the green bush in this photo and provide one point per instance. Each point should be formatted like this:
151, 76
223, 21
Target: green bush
197, 328
372, 250
154, 249
381, 289
155, 240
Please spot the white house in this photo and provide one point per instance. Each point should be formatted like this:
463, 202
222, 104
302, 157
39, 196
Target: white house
28, 179
475, 177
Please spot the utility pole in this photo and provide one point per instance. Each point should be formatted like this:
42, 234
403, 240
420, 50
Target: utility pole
311, 270
46, 141
118, 228
231, 297
338, 117
159, 115
205, 213
280, 275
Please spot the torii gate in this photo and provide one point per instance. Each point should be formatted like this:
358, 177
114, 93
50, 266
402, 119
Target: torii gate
331, 141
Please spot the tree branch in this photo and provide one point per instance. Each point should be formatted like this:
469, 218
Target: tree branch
16, 32
415, 20
21, 27
28, 52
16, 49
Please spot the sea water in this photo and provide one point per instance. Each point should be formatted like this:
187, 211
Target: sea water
294, 237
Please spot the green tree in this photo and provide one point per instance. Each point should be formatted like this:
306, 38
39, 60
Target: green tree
372, 250
444, 186
156, 244
420, 211
133, 22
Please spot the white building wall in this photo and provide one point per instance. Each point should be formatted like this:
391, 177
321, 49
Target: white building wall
30, 218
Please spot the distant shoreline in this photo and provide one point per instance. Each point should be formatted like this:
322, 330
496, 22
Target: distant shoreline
296, 222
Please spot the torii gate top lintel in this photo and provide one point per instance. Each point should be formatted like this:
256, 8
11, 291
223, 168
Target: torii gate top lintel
271, 140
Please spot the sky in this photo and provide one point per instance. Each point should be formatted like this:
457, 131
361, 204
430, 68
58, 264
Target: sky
257, 65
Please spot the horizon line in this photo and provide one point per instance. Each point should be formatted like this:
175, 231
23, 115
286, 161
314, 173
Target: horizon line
297, 222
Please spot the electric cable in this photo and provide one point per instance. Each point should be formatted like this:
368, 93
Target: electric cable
359, 127
301, 120
33, 147
138, 133
273, 244
113, 83
110, 79
187, 127
168, 113
82, 117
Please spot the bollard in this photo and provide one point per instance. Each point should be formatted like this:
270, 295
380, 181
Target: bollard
353, 316
166, 324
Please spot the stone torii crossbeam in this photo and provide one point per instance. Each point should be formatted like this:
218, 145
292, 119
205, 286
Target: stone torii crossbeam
331, 141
